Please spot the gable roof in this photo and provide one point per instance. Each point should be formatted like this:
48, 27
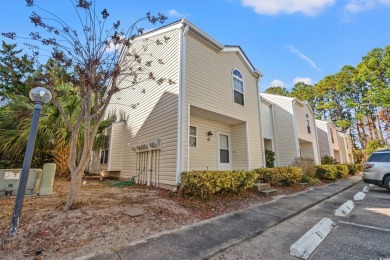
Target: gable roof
207, 38
290, 99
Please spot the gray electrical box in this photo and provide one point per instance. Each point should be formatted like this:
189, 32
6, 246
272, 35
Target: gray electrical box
9, 181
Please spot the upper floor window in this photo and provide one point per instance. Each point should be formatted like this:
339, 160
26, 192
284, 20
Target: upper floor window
331, 135
308, 124
238, 85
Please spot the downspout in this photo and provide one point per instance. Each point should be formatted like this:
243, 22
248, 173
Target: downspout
295, 129
181, 104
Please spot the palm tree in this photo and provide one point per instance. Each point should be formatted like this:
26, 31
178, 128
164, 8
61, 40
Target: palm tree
53, 137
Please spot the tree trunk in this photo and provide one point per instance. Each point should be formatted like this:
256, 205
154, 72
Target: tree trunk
75, 187
61, 157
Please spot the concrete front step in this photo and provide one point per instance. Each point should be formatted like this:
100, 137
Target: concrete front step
269, 192
262, 186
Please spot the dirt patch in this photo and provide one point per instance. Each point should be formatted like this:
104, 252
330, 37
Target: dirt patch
48, 232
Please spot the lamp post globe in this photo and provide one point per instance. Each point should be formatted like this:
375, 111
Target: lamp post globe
39, 96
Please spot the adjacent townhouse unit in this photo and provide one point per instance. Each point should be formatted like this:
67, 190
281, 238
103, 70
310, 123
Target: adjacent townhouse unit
346, 150
334, 143
205, 118
328, 139
288, 128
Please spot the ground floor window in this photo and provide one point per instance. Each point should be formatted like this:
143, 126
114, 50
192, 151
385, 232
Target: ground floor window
224, 149
193, 136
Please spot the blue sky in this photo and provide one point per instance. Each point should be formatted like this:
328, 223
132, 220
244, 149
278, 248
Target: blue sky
287, 40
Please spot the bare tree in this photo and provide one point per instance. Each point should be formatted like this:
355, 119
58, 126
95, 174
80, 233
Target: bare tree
96, 58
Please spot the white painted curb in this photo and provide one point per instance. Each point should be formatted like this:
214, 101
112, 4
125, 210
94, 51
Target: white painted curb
366, 189
344, 209
359, 196
306, 245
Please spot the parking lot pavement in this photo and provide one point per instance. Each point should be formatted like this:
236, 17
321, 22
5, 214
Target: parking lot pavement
363, 234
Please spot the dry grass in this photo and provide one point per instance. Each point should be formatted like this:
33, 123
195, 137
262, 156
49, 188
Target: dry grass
47, 231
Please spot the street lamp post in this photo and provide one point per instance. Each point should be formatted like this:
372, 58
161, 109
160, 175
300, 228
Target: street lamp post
39, 96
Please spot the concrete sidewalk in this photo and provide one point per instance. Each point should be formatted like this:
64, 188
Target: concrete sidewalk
204, 239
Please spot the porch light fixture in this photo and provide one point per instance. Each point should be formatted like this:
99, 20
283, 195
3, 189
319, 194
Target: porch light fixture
209, 133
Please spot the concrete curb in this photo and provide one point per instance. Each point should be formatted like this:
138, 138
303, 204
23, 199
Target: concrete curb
284, 218
250, 222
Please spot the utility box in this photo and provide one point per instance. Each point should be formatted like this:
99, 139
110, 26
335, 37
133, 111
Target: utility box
9, 181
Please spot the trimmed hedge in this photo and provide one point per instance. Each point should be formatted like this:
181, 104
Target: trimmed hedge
327, 172
280, 176
343, 171
204, 184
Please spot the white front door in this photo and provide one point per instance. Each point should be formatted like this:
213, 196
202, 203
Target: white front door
224, 152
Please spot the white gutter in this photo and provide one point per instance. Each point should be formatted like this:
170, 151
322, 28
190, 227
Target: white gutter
181, 104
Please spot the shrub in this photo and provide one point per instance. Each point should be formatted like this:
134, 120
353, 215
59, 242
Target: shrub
269, 158
327, 159
358, 167
342, 171
204, 184
307, 166
280, 176
351, 168
327, 172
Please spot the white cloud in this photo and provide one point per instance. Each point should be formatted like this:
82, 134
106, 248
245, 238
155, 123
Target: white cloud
274, 7
277, 83
307, 81
356, 6
175, 13
304, 57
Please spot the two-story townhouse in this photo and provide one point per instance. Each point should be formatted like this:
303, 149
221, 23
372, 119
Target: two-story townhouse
208, 119
328, 139
292, 132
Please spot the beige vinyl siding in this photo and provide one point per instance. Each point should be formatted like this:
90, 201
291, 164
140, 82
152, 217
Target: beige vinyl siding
285, 139
323, 138
208, 84
266, 121
343, 151
302, 132
205, 155
239, 147
335, 144
348, 142
300, 118
116, 146
155, 113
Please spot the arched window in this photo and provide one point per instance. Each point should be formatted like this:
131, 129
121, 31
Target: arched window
238, 85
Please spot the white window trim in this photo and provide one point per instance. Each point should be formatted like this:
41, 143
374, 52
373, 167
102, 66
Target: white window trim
243, 83
196, 136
